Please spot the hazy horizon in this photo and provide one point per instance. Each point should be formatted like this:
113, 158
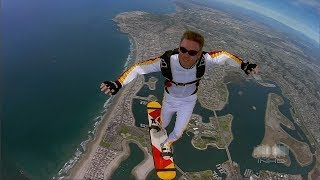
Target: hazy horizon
302, 16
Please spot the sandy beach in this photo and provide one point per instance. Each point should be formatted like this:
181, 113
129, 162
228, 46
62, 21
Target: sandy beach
142, 170
79, 170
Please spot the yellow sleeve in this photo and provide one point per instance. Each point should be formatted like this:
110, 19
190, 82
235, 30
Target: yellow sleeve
222, 57
144, 67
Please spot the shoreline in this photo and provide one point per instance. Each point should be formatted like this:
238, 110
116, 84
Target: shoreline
115, 163
142, 169
79, 169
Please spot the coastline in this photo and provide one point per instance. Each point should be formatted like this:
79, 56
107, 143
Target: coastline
79, 169
140, 171
114, 164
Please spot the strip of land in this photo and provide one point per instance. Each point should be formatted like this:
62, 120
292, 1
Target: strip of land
275, 135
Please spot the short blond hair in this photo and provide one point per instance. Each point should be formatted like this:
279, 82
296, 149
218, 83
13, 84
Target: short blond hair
193, 36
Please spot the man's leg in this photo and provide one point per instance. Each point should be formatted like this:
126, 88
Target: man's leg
166, 114
183, 117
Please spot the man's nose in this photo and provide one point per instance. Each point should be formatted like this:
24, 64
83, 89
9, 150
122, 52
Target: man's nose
186, 55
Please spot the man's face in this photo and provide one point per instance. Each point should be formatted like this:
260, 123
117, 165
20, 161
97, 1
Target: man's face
189, 52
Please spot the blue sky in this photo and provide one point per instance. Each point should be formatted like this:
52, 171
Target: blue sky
301, 15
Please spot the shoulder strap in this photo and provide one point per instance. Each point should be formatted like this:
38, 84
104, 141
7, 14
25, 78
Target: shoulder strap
201, 66
165, 63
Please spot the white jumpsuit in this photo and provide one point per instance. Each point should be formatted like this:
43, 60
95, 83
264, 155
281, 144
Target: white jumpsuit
180, 99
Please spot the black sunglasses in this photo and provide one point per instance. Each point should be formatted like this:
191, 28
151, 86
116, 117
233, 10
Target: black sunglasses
190, 52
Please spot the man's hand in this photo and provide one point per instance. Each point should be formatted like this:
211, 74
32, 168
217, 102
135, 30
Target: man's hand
110, 87
249, 68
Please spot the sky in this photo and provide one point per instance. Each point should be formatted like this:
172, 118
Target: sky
301, 15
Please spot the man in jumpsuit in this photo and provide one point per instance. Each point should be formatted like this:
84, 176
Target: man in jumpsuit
180, 90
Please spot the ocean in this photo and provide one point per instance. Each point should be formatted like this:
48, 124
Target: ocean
55, 55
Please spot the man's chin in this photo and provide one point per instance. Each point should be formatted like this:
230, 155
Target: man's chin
186, 60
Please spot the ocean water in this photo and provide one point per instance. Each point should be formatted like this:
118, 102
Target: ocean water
54, 56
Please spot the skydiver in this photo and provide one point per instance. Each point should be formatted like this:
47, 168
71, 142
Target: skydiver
182, 69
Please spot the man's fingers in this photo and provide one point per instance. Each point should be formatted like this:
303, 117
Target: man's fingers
107, 91
103, 88
253, 70
102, 85
256, 70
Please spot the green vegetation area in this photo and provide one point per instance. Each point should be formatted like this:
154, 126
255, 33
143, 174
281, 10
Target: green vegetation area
225, 122
202, 175
224, 125
141, 140
105, 144
135, 134
202, 142
124, 129
206, 140
199, 143
209, 138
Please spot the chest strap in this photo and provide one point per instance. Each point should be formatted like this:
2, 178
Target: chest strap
184, 84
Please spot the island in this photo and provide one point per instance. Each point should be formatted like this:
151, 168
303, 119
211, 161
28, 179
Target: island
216, 133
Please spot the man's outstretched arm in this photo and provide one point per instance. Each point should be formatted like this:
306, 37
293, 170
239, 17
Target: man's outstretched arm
222, 57
144, 67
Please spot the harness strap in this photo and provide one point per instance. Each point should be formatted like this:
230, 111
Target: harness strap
195, 91
184, 84
166, 70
